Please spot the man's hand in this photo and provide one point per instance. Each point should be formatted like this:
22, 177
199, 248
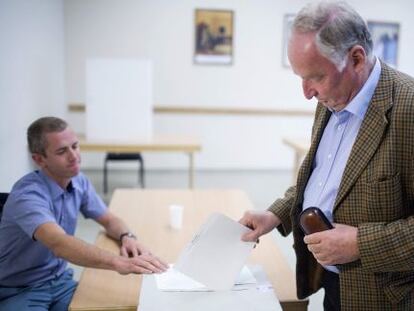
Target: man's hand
335, 246
260, 222
145, 263
132, 248
84, 254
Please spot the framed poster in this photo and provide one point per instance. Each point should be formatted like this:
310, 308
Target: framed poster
385, 38
213, 37
287, 29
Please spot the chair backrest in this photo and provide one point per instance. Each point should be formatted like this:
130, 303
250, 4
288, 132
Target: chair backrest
3, 199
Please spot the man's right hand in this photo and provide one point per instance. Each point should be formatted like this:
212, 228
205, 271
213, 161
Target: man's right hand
260, 222
145, 263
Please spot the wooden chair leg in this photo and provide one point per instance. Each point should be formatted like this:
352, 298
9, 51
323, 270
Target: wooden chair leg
105, 177
142, 173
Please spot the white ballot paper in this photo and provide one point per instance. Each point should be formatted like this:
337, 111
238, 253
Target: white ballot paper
216, 254
174, 281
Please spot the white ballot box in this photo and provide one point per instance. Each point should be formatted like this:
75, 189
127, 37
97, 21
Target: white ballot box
210, 274
257, 296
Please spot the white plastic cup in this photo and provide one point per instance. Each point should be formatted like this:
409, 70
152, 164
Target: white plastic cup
176, 216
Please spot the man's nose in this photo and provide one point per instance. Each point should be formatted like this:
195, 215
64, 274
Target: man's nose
308, 90
72, 154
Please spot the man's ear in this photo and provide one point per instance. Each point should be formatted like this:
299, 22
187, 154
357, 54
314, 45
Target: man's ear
39, 159
358, 57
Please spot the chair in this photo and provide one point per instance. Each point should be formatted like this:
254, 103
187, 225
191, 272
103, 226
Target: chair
112, 156
3, 199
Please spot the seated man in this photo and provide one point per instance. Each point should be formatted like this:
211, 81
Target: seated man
39, 220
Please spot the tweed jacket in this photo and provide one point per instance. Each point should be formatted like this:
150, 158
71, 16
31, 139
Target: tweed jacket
376, 195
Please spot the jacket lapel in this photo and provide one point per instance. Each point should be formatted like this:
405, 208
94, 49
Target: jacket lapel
370, 134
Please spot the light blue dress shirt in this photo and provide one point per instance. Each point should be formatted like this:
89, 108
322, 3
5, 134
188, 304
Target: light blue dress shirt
34, 200
335, 147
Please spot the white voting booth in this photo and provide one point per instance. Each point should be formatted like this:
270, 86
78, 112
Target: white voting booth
118, 100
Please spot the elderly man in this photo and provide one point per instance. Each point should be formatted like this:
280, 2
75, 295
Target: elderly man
358, 171
39, 220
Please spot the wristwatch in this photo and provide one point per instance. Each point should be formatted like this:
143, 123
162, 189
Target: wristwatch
127, 234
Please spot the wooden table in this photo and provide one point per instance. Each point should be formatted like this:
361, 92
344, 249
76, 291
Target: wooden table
158, 143
146, 212
300, 146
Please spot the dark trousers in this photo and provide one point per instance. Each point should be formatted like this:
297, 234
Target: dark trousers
330, 283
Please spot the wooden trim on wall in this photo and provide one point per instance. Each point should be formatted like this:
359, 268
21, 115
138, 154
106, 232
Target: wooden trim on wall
80, 107
232, 111
76, 107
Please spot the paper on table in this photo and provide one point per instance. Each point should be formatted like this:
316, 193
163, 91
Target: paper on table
173, 280
245, 277
216, 254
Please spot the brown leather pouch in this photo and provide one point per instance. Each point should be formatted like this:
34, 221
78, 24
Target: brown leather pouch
313, 220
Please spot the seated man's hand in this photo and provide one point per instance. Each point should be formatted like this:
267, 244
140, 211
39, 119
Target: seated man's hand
145, 261
132, 248
141, 264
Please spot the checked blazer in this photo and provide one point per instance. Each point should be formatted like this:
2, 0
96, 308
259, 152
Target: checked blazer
376, 195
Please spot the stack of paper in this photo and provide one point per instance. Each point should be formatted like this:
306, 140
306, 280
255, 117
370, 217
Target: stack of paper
175, 281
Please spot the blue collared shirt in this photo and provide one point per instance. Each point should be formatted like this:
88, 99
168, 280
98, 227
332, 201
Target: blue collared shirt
335, 147
34, 200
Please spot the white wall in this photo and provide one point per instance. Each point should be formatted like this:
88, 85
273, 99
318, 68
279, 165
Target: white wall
31, 77
162, 30
32, 72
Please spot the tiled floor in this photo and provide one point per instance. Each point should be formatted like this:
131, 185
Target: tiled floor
263, 187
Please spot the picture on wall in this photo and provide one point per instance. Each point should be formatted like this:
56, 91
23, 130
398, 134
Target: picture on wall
213, 37
287, 29
385, 39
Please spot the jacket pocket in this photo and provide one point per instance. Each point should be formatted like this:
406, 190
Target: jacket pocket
384, 199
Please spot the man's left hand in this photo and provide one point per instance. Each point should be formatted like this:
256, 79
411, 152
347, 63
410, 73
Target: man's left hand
132, 248
335, 246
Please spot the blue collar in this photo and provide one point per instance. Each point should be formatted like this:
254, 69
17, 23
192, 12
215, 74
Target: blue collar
359, 104
54, 188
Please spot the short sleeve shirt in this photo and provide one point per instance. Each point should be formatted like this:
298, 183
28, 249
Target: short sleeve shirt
34, 200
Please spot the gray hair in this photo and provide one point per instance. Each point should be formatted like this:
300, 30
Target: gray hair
338, 28
36, 133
